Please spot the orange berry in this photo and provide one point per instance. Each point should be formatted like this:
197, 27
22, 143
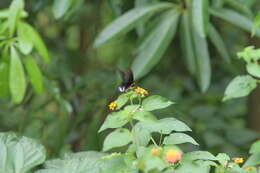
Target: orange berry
154, 151
173, 155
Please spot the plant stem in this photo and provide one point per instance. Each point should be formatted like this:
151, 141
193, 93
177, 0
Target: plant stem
154, 141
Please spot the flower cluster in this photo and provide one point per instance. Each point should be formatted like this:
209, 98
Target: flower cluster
238, 160
142, 91
170, 156
112, 105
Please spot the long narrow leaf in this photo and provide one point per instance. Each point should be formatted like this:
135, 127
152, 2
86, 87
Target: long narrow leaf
186, 43
15, 12
235, 18
128, 21
156, 43
4, 79
34, 73
36, 40
218, 43
60, 7
17, 80
202, 61
200, 16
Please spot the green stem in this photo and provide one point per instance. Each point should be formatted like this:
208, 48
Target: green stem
154, 141
160, 142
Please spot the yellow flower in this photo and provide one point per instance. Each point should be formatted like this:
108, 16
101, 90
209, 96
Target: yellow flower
238, 160
142, 91
248, 168
112, 105
173, 155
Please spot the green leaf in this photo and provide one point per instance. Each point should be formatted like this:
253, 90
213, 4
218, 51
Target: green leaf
190, 167
179, 138
115, 120
65, 105
199, 155
121, 101
87, 162
253, 160
118, 138
144, 116
186, 43
218, 42
37, 41
19, 154
256, 24
223, 158
15, 12
202, 61
141, 135
200, 16
240, 86
255, 147
165, 126
253, 69
5, 13
239, 6
4, 80
155, 102
235, 19
17, 80
60, 7
156, 43
128, 21
34, 73
25, 41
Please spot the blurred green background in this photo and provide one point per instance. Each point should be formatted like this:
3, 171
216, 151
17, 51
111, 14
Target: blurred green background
87, 80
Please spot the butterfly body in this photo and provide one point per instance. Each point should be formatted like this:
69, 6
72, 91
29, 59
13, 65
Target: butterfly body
127, 80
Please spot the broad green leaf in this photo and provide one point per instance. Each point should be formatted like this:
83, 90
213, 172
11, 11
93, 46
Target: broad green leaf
121, 101
190, 167
156, 43
144, 116
253, 69
115, 120
155, 102
255, 147
128, 21
253, 160
235, 18
37, 41
240, 86
4, 80
202, 61
179, 138
249, 54
199, 155
25, 42
17, 80
165, 126
34, 73
60, 7
186, 43
19, 155
87, 162
218, 42
141, 135
200, 16
118, 138
15, 12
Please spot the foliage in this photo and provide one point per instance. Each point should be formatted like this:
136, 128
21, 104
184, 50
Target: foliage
242, 85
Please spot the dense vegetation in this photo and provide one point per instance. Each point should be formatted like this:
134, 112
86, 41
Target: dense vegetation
61, 110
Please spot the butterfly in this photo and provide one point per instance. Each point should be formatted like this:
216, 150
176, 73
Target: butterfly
127, 80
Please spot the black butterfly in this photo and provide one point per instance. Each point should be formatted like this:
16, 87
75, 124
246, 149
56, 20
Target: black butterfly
127, 80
